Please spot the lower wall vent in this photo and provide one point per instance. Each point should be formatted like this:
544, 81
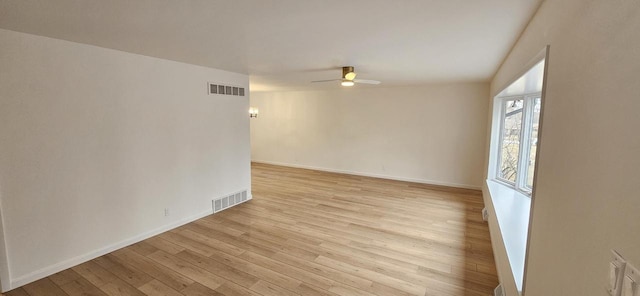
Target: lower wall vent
498, 291
229, 201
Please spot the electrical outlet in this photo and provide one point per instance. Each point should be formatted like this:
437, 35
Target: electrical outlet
485, 214
166, 212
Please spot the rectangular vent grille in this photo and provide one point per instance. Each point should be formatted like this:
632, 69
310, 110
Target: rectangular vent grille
229, 90
498, 291
229, 201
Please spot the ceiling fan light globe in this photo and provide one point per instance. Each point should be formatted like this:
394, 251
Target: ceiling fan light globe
347, 83
350, 76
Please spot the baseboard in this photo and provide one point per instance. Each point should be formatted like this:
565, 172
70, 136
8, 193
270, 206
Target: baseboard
422, 181
49, 270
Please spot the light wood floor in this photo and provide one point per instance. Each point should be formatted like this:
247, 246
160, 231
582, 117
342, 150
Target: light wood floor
306, 233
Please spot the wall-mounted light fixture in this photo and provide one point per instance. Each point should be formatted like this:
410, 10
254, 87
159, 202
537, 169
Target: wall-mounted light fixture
253, 112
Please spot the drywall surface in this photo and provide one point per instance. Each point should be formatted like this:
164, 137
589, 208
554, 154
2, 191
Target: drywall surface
586, 198
432, 134
96, 143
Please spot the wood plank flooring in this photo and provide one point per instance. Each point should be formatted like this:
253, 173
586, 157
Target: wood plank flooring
305, 233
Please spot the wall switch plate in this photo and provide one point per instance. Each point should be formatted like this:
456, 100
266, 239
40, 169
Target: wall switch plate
616, 273
630, 281
166, 212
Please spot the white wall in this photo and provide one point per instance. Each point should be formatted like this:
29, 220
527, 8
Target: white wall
432, 134
586, 200
96, 143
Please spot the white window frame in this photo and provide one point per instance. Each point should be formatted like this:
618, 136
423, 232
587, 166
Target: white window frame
524, 150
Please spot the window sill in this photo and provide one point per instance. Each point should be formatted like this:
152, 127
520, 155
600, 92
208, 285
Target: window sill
512, 210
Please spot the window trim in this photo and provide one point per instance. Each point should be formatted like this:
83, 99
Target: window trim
524, 149
504, 200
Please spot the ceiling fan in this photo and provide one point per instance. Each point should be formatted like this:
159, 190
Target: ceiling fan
348, 78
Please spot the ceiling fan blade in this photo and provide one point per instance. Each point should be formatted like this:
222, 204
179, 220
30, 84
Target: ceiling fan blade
328, 80
366, 81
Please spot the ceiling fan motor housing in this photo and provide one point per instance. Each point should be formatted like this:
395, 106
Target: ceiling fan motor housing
346, 70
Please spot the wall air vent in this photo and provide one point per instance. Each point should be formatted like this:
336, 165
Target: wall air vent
498, 291
229, 201
223, 89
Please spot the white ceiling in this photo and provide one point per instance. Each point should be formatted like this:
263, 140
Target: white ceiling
284, 44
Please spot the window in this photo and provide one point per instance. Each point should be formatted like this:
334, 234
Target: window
510, 140
518, 140
512, 164
515, 129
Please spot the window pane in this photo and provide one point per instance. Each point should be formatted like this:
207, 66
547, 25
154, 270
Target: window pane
510, 146
535, 120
